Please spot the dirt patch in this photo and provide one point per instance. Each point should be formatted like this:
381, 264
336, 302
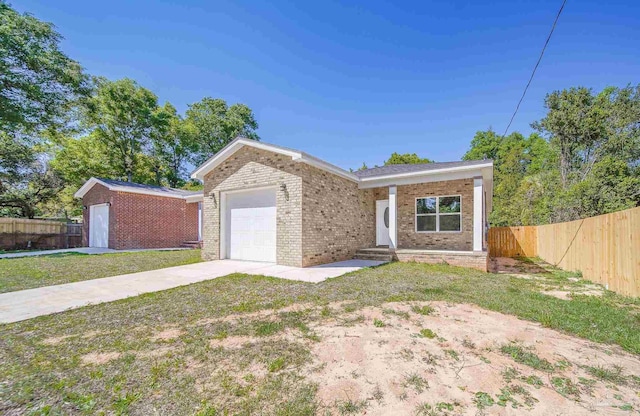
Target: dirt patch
566, 295
516, 267
98, 358
56, 340
167, 334
384, 365
155, 353
235, 342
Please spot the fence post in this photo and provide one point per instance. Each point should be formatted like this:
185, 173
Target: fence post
13, 233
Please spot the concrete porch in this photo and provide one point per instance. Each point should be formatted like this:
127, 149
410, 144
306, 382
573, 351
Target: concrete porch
478, 260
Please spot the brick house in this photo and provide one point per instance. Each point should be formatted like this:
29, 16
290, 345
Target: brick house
269, 203
125, 215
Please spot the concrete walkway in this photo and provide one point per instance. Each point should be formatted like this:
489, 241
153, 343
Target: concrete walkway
83, 250
27, 304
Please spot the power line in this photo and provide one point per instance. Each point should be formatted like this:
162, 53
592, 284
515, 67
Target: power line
536, 67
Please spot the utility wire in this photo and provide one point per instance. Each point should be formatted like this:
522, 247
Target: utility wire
535, 68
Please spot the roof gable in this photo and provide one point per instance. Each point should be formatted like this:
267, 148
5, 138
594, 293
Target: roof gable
295, 155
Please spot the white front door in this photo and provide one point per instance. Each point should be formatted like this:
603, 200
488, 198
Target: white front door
99, 225
382, 222
251, 225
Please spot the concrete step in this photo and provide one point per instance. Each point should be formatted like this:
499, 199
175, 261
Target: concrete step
373, 256
374, 250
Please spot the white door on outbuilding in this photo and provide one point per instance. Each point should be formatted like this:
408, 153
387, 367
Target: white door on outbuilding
99, 225
251, 225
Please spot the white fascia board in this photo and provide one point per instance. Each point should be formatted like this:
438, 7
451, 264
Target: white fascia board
87, 186
424, 177
194, 198
94, 181
233, 147
428, 172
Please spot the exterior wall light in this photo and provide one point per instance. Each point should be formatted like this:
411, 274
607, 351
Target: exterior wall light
283, 188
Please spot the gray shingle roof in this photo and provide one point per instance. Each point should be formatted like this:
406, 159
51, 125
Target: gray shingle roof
423, 167
142, 187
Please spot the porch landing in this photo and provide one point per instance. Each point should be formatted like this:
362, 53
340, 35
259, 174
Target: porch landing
472, 259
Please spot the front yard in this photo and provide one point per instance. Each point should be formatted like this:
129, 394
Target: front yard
55, 269
402, 338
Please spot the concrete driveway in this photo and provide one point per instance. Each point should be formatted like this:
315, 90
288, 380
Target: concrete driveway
27, 304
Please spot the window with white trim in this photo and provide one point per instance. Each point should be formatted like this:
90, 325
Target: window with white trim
439, 214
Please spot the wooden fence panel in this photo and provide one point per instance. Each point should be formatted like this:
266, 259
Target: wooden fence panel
21, 233
513, 241
27, 226
606, 248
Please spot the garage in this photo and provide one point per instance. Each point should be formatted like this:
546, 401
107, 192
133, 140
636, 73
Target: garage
99, 225
250, 225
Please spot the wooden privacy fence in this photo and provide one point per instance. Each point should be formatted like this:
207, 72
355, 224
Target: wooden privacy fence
21, 233
606, 248
513, 241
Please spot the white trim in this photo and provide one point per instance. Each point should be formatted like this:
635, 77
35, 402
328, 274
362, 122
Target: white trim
436, 214
200, 207
478, 196
423, 177
428, 172
393, 217
194, 198
115, 188
222, 221
295, 155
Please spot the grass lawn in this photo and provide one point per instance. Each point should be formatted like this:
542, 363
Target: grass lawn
254, 345
54, 269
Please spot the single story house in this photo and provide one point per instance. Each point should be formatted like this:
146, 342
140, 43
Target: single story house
269, 203
125, 215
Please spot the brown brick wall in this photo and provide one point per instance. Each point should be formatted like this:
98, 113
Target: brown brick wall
253, 168
409, 238
320, 218
337, 217
143, 221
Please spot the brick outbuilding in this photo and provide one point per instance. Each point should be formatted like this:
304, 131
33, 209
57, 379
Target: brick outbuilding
125, 215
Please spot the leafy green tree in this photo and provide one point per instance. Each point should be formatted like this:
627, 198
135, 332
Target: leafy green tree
172, 145
124, 117
39, 87
406, 158
26, 180
38, 82
212, 125
597, 140
515, 157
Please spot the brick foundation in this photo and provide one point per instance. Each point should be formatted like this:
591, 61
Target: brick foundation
471, 259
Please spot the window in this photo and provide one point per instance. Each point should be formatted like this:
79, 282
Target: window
438, 214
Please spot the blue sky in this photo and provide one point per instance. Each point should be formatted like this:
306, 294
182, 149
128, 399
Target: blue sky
353, 82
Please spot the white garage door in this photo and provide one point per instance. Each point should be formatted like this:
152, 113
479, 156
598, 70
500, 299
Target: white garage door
99, 225
251, 225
